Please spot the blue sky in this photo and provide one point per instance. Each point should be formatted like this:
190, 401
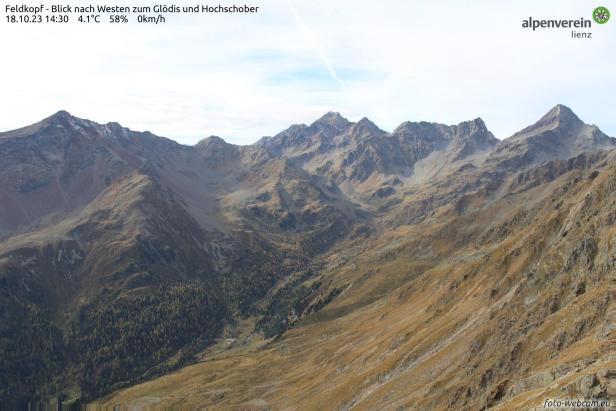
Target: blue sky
243, 77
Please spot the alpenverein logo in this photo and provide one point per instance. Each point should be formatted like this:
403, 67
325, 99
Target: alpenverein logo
601, 15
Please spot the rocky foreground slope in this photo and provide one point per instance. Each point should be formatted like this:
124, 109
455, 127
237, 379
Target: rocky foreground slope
331, 266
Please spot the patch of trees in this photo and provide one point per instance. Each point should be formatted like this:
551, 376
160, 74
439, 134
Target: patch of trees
31, 350
120, 341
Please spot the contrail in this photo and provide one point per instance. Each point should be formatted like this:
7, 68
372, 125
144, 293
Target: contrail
315, 43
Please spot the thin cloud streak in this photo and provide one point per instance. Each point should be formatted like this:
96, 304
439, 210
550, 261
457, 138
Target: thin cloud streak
314, 41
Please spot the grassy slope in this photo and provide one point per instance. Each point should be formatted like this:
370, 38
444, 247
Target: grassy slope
504, 305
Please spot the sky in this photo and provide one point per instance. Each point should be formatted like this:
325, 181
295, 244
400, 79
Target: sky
242, 77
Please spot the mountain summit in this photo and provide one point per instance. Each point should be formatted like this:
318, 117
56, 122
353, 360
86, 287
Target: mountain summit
558, 134
333, 120
559, 117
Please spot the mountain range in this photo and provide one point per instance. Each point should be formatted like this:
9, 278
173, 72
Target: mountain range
333, 265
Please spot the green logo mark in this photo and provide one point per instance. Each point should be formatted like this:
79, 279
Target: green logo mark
601, 15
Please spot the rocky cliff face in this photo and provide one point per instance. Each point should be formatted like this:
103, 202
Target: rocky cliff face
435, 257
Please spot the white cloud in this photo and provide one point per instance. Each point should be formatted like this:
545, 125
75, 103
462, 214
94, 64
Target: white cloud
244, 76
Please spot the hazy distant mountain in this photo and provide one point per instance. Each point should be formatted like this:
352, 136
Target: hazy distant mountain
429, 267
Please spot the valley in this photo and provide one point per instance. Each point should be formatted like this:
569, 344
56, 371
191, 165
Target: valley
331, 266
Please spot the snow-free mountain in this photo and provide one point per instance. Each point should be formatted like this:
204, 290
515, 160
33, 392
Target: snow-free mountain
334, 265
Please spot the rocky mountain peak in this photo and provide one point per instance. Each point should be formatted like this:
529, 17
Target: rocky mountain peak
63, 118
561, 111
216, 148
559, 117
331, 123
212, 141
60, 115
559, 134
365, 127
60, 120
473, 126
333, 118
476, 131
408, 127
